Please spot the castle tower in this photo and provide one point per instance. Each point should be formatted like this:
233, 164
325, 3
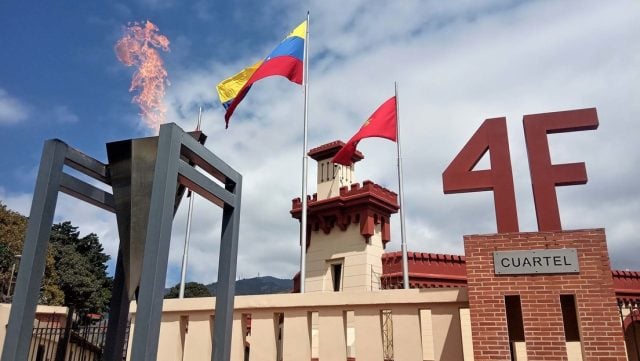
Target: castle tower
348, 226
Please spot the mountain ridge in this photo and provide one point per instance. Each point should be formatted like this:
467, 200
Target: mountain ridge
258, 286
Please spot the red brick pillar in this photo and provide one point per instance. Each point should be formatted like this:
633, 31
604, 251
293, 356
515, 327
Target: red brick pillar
598, 319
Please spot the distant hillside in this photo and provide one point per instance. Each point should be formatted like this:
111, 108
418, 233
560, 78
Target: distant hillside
258, 286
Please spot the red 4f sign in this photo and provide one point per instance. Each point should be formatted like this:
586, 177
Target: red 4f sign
459, 177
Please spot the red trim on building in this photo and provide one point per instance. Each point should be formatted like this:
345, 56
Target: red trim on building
426, 270
367, 205
627, 285
328, 150
432, 270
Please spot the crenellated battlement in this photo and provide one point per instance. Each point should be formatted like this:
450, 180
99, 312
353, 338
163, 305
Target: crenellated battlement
355, 190
426, 270
368, 204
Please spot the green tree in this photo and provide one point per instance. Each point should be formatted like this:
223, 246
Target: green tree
80, 268
75, 271
191, 290
12, 229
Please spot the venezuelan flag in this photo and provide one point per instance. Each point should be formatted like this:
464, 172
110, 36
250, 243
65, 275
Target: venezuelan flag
285, 60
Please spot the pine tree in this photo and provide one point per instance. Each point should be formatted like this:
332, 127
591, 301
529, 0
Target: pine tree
81, 269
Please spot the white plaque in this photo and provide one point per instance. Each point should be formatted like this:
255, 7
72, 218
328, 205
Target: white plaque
540, 261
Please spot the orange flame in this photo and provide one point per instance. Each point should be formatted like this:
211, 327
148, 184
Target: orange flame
138, 47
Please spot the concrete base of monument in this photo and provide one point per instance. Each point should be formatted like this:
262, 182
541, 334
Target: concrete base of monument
555, 308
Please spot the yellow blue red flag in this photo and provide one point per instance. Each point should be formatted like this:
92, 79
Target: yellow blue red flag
285, 60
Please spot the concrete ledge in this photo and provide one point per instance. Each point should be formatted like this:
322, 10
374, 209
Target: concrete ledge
384, 298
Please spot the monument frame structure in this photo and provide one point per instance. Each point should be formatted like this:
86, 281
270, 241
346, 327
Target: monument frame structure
177, 155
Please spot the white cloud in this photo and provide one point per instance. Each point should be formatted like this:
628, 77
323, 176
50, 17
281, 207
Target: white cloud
457, 64
62, 114
19, 202
90, 219
12, 110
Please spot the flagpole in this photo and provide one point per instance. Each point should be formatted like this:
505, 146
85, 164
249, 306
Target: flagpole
405, 260
185, 254
305, 164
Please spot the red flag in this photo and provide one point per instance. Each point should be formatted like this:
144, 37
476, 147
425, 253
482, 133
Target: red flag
382, 124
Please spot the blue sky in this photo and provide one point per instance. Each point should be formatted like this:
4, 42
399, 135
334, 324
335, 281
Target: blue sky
456, 63
60, 78
59, 62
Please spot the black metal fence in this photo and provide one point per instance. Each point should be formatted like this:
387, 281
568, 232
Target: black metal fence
69, 337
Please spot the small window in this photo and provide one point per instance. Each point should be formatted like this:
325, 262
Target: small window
514, 318
40, 353
336, 276
515, 325
570, 318
184, 329
212, 321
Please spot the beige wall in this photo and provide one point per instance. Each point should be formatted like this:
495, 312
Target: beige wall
4, 319
428, 324
49, 342
574, 351
346, 324
331, 177
361, 260
520, 351
424, 322
465, 331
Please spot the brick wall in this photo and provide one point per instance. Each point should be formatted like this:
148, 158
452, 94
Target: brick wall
598, 318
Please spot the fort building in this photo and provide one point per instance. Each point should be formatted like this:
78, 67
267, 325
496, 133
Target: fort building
552, 295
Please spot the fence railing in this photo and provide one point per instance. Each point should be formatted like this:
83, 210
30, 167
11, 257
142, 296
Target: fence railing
68, 337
